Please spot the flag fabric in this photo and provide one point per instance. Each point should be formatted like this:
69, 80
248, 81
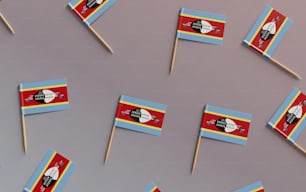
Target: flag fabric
255, 187
289, 120
225, 125
267, 31
151, 188
43, 96
51, 174
140, 115
90, 10
201, 26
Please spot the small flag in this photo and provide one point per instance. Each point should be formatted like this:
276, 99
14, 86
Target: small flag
268, 30
198, 26
289, 120
225, 125
90, 10
201, 26
255, 187
43, 96
151, 188
140, 115
137, 115
51, 174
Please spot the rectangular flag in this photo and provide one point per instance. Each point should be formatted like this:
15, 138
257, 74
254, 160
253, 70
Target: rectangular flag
289, 120
267, 31
140, 115
51, 174
225, 125
201, 26
151, 188
43, 96
90, 10
255, 187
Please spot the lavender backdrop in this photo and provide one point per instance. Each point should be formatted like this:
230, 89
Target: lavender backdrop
51, 42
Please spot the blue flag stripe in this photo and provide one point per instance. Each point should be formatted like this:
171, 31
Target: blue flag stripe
223, 138
251, 187
40, 109
199, 38
143, 102
238, 114
203, 14
149, 187
42, 83
138, 128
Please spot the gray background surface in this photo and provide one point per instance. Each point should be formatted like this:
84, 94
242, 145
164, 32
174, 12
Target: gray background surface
51, 42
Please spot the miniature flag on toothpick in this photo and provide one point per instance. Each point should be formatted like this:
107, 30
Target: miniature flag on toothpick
51, 174
41, 97
267, 32
289, 120
255, 187
7, 23
89, 11
200, 27
224, 125
151, 188
138, 115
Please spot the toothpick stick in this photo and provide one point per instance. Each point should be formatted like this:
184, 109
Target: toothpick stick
285, 68
25, 146
173, 55
101, 39
300, 148
110, 141
196, 154
7, 23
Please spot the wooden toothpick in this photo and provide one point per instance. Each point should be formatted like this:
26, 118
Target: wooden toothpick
300, 148
7, 23
101, 39
24, 134
196, 152
173, 55
110, 141
285, 68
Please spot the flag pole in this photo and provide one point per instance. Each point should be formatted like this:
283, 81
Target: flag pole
101, 39
24, 133
300, 148
285, 68
7, 23
110, 141
196, 154
173, 55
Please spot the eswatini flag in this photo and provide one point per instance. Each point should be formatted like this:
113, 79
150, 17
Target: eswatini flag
151, 188
255, 187
43, 96
289, 120
225, 125
140, 115
90, 10
51, 174
268, 31
201, 26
